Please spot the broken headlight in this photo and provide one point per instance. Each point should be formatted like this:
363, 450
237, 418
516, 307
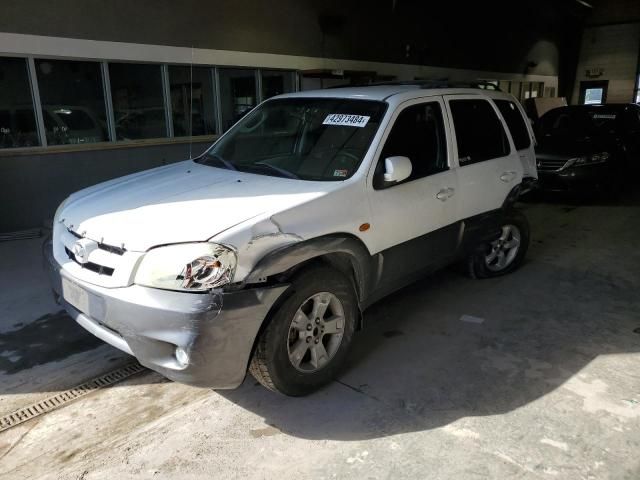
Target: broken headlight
187, 266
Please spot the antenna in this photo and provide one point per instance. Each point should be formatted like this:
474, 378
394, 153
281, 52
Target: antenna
191, 106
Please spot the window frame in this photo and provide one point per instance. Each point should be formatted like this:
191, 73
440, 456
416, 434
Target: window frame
112, 142
521, 116
388, 127
454, 133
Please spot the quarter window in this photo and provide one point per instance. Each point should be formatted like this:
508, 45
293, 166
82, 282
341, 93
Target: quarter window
515, 122
418, 133
479, 132
17, 118
72, 99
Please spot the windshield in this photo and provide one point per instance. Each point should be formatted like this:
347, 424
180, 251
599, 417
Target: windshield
577, 122
303, 138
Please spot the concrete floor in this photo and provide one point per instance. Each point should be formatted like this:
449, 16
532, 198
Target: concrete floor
547, 386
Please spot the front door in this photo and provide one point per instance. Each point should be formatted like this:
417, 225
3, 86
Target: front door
414, 221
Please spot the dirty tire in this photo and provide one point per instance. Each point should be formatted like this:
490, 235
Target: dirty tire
271, 364
476, 263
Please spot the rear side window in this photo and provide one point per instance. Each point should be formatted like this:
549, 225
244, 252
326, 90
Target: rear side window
418, 133
515, 122
479, 132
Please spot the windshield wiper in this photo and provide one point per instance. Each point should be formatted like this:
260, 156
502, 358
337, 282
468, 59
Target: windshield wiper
281, 171
212, 156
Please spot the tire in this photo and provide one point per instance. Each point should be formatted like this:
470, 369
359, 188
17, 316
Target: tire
483, 264
285, 340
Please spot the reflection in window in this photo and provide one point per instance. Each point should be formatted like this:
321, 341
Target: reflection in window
276, 82
203, 102
72, 100
17, 118
138, 105
237, 94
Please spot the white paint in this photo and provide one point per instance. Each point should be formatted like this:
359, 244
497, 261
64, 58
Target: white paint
60, 47
560, 445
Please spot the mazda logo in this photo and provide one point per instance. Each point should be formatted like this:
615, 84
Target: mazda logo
82, 249
80, 252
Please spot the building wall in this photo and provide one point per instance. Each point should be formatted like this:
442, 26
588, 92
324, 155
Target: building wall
611, 42
403, 39
505, 37
615, 49
34, 184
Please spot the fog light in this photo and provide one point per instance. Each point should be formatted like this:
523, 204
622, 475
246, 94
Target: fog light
182, 356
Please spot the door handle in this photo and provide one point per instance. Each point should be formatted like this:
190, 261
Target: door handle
507, 176
445, 194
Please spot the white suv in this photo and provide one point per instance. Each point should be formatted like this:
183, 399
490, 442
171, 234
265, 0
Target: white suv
262, 253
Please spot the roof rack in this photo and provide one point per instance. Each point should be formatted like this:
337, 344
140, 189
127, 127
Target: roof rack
430, 84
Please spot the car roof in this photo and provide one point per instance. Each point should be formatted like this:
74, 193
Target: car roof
385, 92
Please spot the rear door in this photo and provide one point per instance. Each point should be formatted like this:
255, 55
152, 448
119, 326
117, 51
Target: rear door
521, 133
489, 166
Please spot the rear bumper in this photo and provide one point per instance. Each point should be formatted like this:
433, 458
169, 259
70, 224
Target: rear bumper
217, 330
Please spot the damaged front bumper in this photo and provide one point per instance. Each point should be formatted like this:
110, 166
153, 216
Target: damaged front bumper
216, 330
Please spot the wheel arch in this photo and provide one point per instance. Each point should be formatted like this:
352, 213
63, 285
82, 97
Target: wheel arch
343, 251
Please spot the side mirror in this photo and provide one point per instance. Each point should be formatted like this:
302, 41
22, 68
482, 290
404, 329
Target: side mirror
397, 169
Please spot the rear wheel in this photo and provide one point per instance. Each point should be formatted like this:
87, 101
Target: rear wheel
308, 337
506, 253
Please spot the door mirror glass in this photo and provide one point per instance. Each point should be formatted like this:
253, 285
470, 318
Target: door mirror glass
396, 169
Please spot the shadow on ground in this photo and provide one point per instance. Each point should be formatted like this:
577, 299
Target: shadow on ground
49, 338
417, 366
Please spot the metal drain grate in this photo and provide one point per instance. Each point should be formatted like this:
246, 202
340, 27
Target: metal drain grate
59, 400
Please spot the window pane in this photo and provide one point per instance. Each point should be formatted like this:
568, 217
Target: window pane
72, 101
17, 118
593, 96
237, 94
516, 123
138, 104
203, 101
418, 133
275, 83
479, 132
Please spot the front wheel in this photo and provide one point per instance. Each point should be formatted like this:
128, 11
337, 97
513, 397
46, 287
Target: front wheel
506, 253
308, 337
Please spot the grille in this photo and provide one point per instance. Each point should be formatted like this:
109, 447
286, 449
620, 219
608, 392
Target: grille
102, 246
550, 165
94, 267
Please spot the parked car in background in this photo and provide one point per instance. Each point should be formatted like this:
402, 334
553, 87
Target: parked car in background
588, 148
261, 254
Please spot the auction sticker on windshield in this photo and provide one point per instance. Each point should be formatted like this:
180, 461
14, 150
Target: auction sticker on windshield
346, 120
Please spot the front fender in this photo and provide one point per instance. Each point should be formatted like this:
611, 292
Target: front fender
289, 257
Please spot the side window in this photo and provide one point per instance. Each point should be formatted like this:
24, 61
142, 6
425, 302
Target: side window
479, 132
515, 122
418, 133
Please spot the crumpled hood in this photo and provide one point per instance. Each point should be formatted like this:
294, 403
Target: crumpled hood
183, 202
